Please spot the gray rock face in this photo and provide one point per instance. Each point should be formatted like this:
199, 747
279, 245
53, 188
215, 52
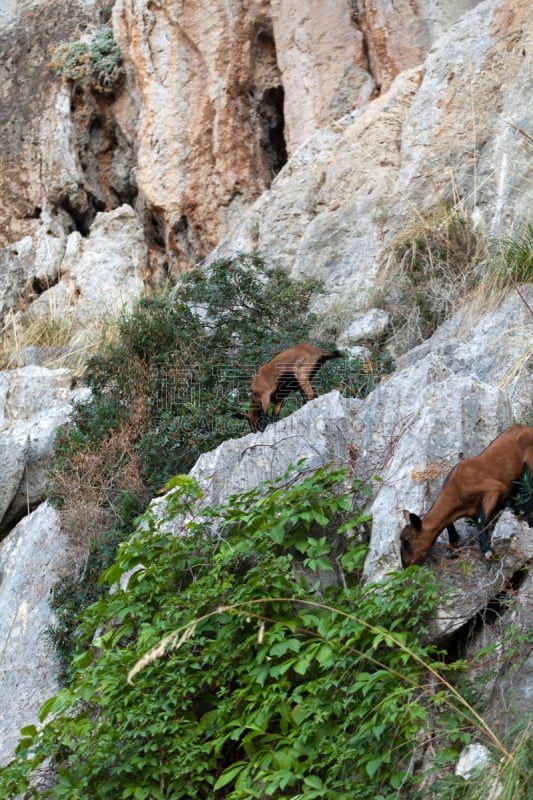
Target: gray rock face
34, 402
29, 567
84, 282
320, 433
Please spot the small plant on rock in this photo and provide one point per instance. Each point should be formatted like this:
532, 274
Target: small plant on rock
100, 61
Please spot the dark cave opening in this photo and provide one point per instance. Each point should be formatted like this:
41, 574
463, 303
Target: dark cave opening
268, 98
272, 128
155, 229
456, 647
81, 216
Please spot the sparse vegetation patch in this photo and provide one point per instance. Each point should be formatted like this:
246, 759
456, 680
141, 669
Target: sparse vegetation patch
431, 267
100, 61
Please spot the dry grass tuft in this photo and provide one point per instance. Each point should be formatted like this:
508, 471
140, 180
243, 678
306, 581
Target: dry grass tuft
93, 480
45, 340
509, 267
429, 269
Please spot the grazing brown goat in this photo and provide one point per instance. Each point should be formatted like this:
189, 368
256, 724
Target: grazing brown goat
478, 488
287, 372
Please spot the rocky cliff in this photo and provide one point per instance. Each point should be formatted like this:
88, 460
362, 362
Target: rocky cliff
314, 134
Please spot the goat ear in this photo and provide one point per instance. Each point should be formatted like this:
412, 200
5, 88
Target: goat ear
415, 521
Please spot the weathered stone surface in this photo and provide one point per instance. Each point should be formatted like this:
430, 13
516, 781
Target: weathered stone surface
489, 341
105, 270
319, 432
14, 448
350, 189
84, 282
399, 35
474, 760
29, 562
34, 401
324, 214
323, 65
36, 136
369, 326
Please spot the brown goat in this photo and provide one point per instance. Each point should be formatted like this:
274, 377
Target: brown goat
478, 488
287, 372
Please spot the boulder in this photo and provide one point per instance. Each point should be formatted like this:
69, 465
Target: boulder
75, 284
369, 326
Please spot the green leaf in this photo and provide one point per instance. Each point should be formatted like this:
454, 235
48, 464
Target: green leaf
372, 767
314, 782
29, 730
230, 774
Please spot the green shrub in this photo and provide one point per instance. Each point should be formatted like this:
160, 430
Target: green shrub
512, 262
182, 364
164, 392
263, 684
100, 61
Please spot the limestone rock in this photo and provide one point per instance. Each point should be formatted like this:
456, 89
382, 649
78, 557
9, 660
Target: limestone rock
106, 269
36, 135
492, 343
88, 282
473, 758
34, 401
29, 564
475, 763
319, 432
369, 326
14, 448
351, 189
323, 65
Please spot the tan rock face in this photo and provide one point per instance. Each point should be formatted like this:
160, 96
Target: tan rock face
63, 155
216, 97
323, 63
399, 35
27, 100
210, 129
228, 91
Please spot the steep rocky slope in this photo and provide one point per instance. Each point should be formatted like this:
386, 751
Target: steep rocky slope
314, 135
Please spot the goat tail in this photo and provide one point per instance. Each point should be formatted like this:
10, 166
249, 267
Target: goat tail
333, 354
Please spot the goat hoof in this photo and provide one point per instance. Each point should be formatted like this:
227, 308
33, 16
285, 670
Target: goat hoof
488, 554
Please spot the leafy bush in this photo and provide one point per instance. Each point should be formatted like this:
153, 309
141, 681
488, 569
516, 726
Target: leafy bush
244, 680
182, 364
100, 61
164, 392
